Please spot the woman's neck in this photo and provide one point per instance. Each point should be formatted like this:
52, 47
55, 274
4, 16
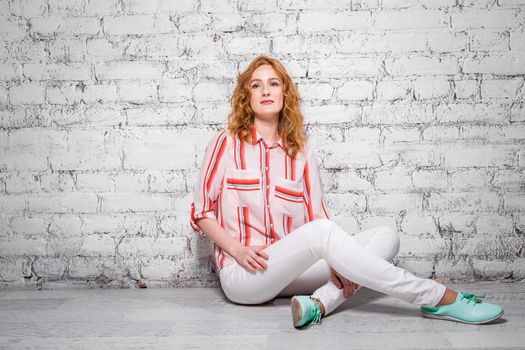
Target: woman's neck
268, 130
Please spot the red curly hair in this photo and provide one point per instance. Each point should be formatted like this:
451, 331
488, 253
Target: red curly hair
241, 117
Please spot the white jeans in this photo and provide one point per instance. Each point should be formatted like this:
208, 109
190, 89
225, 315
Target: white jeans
299, 263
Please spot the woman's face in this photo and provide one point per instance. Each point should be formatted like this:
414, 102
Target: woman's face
266, 89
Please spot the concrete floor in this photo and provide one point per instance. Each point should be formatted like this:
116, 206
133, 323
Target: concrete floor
202, 318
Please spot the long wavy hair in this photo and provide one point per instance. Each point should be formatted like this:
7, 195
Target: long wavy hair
241, 117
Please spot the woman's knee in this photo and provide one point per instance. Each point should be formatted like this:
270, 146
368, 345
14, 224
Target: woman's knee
323, 225
392, 238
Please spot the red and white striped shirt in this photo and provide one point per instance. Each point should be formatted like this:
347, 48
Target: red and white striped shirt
256, 192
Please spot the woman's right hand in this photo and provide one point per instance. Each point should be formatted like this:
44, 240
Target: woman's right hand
252, 257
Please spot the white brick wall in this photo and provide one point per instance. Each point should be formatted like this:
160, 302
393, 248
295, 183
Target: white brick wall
416, 109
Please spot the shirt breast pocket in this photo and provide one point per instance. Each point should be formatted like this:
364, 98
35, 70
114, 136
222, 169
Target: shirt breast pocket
289, 197
243, 187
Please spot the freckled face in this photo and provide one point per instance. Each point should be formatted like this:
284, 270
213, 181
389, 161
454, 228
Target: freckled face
266, 89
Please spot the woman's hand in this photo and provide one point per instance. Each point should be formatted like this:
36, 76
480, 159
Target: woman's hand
252, 257
348, 286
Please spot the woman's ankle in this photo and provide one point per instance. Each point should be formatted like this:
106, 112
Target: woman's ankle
448, 298
321, 306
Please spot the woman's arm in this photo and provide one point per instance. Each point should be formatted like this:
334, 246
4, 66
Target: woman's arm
250, 257
216, 233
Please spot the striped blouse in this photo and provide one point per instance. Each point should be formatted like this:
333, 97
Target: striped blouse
256, 192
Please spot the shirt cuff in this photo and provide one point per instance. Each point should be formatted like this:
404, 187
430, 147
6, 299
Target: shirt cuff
203, 214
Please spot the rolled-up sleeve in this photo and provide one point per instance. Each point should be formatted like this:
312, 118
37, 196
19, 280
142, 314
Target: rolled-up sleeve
209, 181
313, 194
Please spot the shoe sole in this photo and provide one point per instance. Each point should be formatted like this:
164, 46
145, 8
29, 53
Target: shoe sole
297, 311
448, 318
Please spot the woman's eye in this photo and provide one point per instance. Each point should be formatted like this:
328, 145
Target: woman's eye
255, 86
275, 84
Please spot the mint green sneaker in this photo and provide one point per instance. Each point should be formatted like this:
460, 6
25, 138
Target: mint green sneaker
467, 308
305, 311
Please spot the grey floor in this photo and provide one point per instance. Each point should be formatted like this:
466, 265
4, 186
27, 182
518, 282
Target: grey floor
202, 318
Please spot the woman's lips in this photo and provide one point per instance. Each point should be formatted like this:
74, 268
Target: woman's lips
266, 102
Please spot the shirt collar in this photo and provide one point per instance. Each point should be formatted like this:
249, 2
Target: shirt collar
256, 137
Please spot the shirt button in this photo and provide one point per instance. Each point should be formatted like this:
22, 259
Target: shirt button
267, 187
266, 168
271, 225
268, 206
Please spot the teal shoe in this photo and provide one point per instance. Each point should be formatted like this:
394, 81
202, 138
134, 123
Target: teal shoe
467, 308
305, 311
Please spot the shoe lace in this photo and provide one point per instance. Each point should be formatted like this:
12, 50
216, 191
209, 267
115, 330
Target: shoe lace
315, 312
475, 298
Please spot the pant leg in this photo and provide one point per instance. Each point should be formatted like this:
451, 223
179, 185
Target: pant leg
323, 239
381, 240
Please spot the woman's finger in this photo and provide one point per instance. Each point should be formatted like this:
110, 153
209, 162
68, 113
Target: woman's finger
262, 263
261, 252
249, 267
254, 266
346, 288
256, 263
336, 280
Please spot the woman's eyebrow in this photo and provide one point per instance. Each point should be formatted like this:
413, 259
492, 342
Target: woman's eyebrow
257, 79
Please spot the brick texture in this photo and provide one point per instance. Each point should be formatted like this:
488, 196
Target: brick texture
416, 109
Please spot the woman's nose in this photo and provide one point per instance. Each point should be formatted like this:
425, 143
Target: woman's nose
265, 90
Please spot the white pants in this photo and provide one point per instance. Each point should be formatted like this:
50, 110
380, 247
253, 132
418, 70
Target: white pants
299, 263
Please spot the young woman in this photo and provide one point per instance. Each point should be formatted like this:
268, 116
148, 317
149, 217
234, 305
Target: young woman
258, 197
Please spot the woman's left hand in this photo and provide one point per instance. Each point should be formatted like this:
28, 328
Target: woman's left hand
348, 286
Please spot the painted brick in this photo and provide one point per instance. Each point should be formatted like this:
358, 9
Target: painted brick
466, 179
421, 246
128, 70
410, 19
429, 179
467, 202
25, 8
494, 225
398, 114
481, 156
68, 203
514, 201
489, 41
500, 89
29, 226
457, 225
395, 203
137, 25
341, 204
381, 43
417, 226
28, 93
315, 91
463, 112
393, 179
508, 64
356, 90
415, 110
351, 181
466, 88
394, 90
484, 19
421, 65
431, 87
330, 21
348, 68
330, 114
375, 221
50, 26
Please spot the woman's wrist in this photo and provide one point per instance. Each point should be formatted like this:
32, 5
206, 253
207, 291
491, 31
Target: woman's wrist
234, 250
